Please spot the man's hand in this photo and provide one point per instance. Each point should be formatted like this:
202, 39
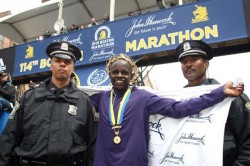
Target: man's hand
233, 91
32, 85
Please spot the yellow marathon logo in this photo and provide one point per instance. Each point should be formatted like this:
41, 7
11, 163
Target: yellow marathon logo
29, 52
103, 35
102, 46
200, 14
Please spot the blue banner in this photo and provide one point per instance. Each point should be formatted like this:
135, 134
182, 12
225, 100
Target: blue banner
143, 34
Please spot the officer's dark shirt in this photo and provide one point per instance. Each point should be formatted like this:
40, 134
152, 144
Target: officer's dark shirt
51, 124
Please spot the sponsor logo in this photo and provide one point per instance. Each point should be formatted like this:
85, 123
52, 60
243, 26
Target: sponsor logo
74, 40
156, 127
2, 65
200, 118
191, 138
171, 157
103, 44
149, 21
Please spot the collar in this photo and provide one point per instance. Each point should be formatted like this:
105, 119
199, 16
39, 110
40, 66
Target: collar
53, 89
47, 90
208, 81
122, 92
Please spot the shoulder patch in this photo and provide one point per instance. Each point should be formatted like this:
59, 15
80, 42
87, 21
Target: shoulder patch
13, 112
248, 105
96, 114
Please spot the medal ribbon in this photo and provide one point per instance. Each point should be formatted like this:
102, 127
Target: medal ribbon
121, 110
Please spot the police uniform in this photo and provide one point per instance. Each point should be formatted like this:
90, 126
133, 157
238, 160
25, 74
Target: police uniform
236, 148
51, 126
7, 93
64, 50
194, 47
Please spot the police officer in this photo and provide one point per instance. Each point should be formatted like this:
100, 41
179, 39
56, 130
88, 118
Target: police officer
7, 92
54, 123
194, 56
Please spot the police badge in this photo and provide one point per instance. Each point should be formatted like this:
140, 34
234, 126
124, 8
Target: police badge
72, 110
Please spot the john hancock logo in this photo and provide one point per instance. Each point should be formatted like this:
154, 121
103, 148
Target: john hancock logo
191, 138
156, 127
103, 45
200, 14
171, 157
200, 118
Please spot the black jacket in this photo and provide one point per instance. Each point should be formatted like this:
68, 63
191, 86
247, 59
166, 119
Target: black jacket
236, 149
8, 92
49, 125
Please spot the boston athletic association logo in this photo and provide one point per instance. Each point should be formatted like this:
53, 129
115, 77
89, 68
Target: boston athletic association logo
200, 14
29, 52
103, 44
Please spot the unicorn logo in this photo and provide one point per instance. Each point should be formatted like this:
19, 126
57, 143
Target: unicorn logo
29, 52
200, 14
102, 32
103, 35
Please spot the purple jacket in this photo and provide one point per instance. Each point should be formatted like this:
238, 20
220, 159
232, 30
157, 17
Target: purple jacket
133, 148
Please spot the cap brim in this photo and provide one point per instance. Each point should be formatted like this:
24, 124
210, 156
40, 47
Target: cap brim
192, 52
62, 56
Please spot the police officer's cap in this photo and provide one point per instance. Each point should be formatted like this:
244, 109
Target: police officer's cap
64, 50
194, 47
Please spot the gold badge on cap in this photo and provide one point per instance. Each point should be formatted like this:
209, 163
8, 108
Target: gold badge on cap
186, 46
65, 46
72, 110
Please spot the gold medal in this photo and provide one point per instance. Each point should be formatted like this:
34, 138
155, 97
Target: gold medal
116, 123
117, 139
